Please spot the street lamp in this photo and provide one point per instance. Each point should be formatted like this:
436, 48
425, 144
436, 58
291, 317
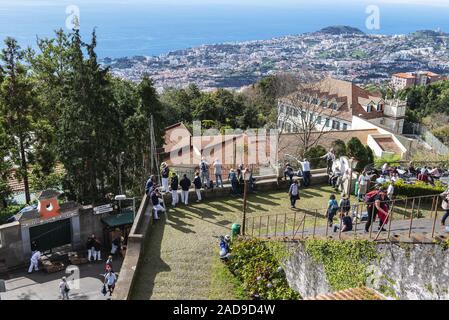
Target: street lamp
246, 177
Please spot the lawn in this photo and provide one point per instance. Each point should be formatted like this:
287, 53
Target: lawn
181, 251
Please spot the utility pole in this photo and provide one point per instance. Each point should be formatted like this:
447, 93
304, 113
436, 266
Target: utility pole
120, 162
246, 176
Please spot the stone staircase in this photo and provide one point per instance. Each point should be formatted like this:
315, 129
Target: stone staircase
361, 293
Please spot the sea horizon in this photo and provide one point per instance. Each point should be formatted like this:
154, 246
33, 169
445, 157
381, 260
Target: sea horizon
134, 28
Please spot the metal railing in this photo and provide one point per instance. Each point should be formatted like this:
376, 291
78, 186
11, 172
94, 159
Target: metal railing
406, 217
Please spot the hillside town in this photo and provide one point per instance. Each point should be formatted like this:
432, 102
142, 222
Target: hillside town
355, 56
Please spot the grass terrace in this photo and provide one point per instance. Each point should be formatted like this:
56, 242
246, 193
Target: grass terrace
181, 254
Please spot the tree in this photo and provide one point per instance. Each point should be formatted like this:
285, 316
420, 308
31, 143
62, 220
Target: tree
89, 132
355, 149
339, 147
5, 164
314, 154
19, 108
306, 114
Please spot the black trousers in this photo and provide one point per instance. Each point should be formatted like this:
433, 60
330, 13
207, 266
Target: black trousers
371, 217
293, 200
329, 166
306, 178
446, 215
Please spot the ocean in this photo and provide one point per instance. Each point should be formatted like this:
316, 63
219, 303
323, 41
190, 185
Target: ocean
136, 27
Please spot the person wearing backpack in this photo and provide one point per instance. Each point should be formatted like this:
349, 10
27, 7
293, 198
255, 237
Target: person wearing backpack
232, 177
64, 289
370, 198
197, 184
331, 209
445, 206
294, 193
204, 169
344, 205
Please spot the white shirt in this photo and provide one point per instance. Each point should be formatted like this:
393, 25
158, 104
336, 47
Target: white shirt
110, 278
36, 256
363, 180
217, 167
62, 286
305, 166
390, 189
294, 189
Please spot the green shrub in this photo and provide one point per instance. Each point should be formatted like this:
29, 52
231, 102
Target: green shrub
345, 262
416, 189
257, 268
339, 147
362, 154
9, 211
314, 154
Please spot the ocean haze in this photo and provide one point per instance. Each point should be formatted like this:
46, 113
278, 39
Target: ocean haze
129, 28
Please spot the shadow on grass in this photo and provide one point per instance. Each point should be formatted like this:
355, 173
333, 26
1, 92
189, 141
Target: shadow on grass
150, 263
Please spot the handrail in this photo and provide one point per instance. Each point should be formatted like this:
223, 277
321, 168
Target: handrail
399, 205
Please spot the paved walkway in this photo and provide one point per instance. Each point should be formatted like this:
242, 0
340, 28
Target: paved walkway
43, 286
180, 250
421, 228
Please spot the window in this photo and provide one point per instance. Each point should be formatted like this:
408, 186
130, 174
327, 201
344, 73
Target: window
303, 114
369, 108
295, 112
335, 125
345, 126
281, 109
327, 123
318, 120
334, 106
380, 107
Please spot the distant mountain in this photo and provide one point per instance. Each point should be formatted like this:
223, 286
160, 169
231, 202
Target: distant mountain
336, 30
428, 33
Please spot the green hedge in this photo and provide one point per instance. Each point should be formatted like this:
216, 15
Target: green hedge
416, 189
260, 272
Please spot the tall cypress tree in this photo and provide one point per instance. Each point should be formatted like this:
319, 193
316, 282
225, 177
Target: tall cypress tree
19, 107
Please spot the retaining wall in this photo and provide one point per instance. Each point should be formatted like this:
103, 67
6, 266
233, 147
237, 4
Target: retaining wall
404, 271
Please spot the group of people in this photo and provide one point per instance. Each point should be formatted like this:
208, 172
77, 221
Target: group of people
179, 187
303, 172
110, 279
425, 174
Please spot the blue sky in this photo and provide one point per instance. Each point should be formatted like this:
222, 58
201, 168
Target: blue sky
276, 3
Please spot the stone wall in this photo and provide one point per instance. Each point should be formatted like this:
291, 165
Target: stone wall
136, 245
404, 271
90, 223
11, 249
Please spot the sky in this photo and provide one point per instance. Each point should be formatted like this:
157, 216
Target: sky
276, 3
152, 27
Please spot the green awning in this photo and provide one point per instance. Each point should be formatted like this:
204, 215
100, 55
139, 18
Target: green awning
115, 220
